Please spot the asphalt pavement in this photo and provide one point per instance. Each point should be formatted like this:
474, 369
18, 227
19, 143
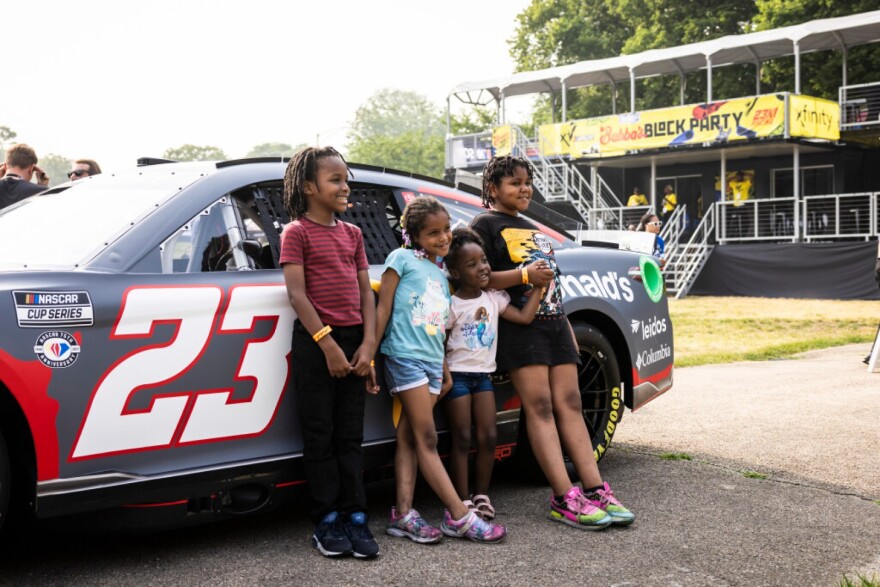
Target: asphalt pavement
780, 490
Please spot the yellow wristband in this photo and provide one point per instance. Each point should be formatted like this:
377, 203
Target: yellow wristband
372, 363
322, 333
525, 276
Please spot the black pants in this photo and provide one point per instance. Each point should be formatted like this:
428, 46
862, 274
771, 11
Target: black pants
331, 413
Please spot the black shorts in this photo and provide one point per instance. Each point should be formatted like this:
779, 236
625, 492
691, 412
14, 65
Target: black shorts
546, 341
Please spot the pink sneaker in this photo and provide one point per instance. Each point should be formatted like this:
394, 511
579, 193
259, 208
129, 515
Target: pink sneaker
604, 499
473, 527
412, 526
577, 511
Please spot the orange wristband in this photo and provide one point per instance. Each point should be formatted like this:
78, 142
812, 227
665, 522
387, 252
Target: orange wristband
525, 276
322, 333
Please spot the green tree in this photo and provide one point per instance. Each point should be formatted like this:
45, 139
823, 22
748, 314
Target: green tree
6, 135
557, 32
399, 129
820, 71
274, 150
56, 167
190, 152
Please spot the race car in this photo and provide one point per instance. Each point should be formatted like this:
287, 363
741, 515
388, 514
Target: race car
145, 339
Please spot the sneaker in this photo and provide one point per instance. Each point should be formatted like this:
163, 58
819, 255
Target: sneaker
576, 511
473, 527
604, 499
363, 545
412, 526
329, 537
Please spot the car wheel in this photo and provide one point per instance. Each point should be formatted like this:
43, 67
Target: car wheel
4, 481
599, 382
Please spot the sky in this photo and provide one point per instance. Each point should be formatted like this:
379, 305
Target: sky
114, 81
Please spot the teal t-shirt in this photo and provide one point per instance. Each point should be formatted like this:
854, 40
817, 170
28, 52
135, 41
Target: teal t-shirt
417, 327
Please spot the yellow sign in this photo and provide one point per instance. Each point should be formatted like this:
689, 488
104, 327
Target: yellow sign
714, 123
814, 118
502, 140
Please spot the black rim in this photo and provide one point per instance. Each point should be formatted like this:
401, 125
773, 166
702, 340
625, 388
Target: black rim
595, 384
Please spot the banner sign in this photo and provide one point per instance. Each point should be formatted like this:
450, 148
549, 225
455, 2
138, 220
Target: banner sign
502, 140
471, 150
814, 118
717, 122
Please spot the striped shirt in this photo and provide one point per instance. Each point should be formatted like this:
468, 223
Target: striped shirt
331, 257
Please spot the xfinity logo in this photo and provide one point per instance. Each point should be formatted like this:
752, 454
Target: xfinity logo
651, 356
609, 285
649, 329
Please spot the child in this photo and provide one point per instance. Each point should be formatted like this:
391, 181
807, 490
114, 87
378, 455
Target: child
542, 357
412, 315
470, 356
325, 270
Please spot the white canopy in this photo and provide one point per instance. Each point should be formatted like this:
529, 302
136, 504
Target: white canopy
816, 35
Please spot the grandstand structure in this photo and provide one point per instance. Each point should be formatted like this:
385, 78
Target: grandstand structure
779, 194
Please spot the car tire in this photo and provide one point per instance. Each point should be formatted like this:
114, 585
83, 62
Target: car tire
5, 481
601, 401
599, 381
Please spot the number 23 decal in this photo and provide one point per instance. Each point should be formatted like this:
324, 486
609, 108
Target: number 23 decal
111, 427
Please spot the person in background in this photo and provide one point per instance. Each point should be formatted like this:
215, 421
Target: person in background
670, 201
83, 168
650, 223
17, 171
740, 189
637, 199
877, 278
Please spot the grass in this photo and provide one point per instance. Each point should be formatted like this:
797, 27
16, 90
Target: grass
754, 475
727, 329
859, 581
676, 456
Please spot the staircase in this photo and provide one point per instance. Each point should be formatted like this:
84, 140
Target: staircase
561, 181
684, 266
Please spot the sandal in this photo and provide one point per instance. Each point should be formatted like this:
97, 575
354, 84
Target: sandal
484, 507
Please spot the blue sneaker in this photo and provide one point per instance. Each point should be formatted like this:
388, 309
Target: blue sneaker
363, 545
330, 538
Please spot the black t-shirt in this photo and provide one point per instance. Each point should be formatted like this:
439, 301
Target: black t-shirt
512, 242
13, 189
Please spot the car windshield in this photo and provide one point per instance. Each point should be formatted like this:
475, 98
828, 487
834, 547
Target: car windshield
64, 227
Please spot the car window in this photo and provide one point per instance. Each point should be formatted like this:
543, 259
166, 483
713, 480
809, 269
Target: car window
214, 240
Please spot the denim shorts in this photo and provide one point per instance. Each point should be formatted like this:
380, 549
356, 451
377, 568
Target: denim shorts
402, 374
468, 384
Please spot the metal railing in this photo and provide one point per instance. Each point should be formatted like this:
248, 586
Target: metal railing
683, 268
840, 216
859, 106
673, 230
773, 219
616, 218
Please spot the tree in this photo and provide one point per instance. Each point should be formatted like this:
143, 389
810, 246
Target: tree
820, 71
398, 129
190, 152
6, 135
56, 167
274, 150
557, 32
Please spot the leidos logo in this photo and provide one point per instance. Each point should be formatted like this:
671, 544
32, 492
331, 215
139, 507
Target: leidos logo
651, 356
608, 286
651, 328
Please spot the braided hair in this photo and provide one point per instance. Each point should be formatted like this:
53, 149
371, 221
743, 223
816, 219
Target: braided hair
414, 215
303, 167
498, 168
461, 237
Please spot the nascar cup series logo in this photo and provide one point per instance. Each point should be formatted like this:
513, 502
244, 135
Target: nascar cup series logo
56, 349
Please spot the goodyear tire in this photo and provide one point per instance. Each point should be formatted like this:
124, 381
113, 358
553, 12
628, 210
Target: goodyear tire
5, 479
599, 382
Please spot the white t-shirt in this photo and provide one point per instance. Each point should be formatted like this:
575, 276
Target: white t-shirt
473, 332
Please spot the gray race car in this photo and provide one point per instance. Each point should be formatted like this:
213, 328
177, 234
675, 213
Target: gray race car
145, 338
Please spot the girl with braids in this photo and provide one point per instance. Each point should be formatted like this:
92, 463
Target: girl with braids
470, 354
412, 316
542, 357
325, 270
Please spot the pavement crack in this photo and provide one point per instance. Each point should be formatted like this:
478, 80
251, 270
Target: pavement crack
771, 477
